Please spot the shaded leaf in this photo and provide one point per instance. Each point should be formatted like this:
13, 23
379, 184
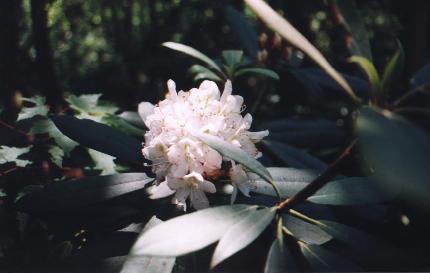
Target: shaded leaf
149, 264
322, 260
244, 232
100, 137
294, 157
261, 71
132, 118
286, 30
279, 259
232, 58
304, 231
193, 53
122, 125
398, 152
370, 71
247, 35
79, 193
421, 77
190, 232
392, 71
39, 108
46, 126
56, 154
12, 154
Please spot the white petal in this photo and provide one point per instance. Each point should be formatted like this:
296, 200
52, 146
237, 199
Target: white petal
145, 109
160, 191
233, 195
207, 186
227, 91
172, 89
181, 197
199, 199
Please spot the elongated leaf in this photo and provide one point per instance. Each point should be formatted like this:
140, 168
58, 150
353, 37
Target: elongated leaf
232, 58
392, 71
247, 35
244, 232
148, 264
286, 30
132, 118
398, 152
100, 137
421, 77
202, 73
279, 259
103, 162
236, 154
322, 260
193, 53
304, 231
76, 194
294, 157
39, 108
12, 154
354, 23
370, 71
188, 233
261, 71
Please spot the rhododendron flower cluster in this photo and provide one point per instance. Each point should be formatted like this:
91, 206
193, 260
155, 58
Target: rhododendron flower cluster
184, 165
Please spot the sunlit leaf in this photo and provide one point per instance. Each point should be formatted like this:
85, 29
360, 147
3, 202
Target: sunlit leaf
39, 108
279, 259
242, 233
321, 259
190, 232
132, 118
398, 152
12, 154
286, 30
103, 162
79, 193
57, 155
370, 71
202, 73
100, 137
148, 264
304, 231
194, 53
260, 71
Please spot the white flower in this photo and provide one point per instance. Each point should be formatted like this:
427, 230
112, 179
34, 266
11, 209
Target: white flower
239, 180
181, 162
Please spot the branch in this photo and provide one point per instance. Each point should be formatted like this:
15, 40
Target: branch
318, 182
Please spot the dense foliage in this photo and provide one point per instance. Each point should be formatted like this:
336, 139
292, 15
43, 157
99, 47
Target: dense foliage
342, 183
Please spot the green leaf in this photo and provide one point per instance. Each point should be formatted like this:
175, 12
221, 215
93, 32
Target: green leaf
139, 264
193, 53
46, 126
132, 118
190, 232
287, 31
397, 151
354, 23
304, 231
232, 152
232, 59
80, 193
57, 155
2, 193
103, 162
279, 259
89, 107
39, 108
100, 137
392, 71
261, 71
122, 125
202, 73
370, 71
12, 154
241, 234
322, 260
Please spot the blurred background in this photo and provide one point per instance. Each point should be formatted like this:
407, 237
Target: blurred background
55, 47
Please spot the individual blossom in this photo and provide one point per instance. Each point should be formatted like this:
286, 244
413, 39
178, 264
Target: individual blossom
184, 165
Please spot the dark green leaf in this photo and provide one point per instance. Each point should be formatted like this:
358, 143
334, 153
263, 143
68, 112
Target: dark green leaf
370, 71
392, 72
279, 259
190, 232
232, 58
76, 194
101, 138
122, 125
244, 232
398, 152
202, 73
304, 231
261, 71
193, 53
322, 260
294, 157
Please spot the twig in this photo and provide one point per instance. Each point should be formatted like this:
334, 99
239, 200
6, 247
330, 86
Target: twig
318, 183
